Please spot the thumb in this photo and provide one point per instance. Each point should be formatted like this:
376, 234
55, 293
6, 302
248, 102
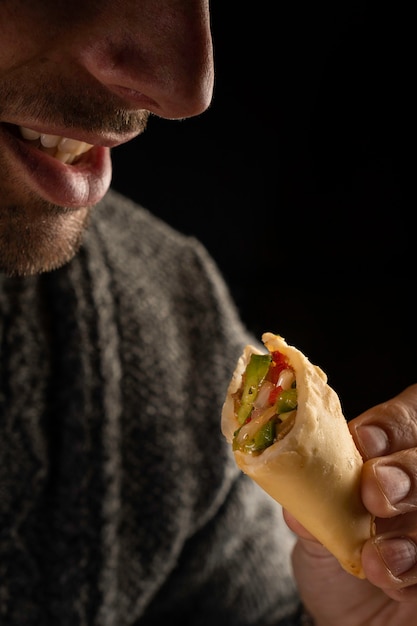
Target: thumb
309, 554
326, 589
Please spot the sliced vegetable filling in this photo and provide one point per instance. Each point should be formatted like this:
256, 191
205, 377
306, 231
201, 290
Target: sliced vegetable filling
266, 403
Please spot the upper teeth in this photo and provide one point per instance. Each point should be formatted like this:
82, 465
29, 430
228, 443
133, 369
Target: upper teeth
61, 148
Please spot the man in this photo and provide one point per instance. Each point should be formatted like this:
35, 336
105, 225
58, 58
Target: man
120, 501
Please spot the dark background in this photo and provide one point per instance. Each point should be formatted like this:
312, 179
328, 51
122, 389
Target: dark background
298, 181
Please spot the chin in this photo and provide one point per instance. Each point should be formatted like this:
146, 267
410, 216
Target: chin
34, 263
42, 242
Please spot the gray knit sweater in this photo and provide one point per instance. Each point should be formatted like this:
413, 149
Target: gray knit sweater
120, 503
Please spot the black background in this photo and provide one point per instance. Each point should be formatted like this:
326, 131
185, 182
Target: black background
298, 181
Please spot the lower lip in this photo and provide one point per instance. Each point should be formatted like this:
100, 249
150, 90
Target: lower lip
74, 186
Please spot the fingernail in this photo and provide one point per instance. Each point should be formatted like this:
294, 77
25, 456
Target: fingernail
373, 440
399, 555
394, 482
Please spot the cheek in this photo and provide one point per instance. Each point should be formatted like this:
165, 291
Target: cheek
34, 25
23, 36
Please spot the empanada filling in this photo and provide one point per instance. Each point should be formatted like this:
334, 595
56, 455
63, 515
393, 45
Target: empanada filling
266, 403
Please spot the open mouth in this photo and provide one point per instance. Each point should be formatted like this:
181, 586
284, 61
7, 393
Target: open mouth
65, 171
61, 148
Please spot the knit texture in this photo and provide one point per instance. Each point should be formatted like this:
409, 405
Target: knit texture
120, 502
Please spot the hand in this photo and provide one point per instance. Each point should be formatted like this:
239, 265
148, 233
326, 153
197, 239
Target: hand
386, 436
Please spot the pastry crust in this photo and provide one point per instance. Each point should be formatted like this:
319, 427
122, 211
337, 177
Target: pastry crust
314, 471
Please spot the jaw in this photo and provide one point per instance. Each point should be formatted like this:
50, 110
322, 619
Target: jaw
44, 205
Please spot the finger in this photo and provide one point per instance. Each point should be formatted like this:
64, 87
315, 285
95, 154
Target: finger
389, 558
389, 484
390, 562
387, 427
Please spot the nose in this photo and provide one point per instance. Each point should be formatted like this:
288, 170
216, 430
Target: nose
156, 53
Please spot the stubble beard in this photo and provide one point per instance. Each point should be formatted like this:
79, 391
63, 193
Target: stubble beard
39, 237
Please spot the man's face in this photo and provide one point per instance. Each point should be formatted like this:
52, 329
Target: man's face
76, 79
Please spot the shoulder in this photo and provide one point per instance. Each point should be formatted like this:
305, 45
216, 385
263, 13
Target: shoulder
178, 329
134, 230
165, 286
146, 256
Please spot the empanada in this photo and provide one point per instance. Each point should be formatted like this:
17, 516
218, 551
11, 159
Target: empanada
289, 435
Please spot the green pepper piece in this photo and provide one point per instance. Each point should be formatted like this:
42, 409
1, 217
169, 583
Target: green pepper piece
287, 401
262, 439
265, 436
256, 370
